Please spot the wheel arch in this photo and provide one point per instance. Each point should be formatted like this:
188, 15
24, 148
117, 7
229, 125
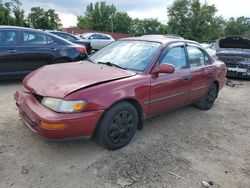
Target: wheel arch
216, 82
137, 106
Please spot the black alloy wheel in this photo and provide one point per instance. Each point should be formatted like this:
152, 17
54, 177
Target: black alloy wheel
209, 98
118, 126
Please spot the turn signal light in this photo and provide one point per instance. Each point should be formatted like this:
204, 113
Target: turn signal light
53, 126
78, 107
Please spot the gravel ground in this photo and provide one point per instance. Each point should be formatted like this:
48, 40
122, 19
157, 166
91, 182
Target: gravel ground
192, 144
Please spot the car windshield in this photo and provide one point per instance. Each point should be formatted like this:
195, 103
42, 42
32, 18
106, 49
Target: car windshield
132, 55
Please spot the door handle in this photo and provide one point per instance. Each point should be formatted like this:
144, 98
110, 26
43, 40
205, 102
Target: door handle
186, 77
11, 51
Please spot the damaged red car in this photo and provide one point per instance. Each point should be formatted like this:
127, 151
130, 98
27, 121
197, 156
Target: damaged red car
109, 95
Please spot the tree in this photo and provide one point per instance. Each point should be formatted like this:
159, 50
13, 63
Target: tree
179, 18
98, 17
239, 26
53, 19
19, 19
11, 13
121, 22
5, 13
41, 19
146, 26
194, 20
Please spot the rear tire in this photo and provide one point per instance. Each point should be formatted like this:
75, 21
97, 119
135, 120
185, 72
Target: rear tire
208, 99
118, 126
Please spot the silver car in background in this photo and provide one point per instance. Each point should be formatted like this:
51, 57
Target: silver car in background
97, 40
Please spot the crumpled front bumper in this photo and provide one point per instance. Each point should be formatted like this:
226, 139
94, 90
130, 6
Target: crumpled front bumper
32, 113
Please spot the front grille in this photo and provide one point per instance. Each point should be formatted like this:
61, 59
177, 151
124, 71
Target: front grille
244, 66
39, 98
233, 61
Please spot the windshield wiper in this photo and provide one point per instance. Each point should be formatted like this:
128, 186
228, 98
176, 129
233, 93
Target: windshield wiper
112, 65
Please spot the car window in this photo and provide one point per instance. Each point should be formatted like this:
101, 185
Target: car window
51, 40
196, 57
8, 37
65, 36
99, 36
32, 38
207, 59
175, 56
104, 37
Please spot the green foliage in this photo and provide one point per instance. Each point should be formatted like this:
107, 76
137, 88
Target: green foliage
121, 22
5, 13
19, 17
146, 26
98, 17
11, 13
179, 18
41, 19
239, 26
194, 20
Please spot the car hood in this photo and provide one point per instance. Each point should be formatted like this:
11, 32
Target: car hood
62, 79
234, 43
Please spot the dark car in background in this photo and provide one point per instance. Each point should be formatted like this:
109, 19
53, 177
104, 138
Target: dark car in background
23, 50
235, 53
74, 39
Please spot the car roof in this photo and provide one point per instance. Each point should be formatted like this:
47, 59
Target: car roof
164, 39
35, 30
96, 33
20, 28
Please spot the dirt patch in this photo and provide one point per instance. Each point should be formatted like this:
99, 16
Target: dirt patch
189, 143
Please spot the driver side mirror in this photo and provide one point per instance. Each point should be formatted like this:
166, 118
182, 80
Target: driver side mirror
164, 68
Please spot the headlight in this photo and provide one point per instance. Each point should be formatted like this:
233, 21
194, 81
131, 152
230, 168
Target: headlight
64, 106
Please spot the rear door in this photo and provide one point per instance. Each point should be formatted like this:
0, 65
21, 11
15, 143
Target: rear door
169, 91
36, 51
202, 71
9, 51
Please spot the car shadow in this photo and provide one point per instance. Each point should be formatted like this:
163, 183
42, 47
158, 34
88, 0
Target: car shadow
10, 82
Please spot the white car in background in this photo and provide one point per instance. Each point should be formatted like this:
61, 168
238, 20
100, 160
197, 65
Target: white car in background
209, 48
97, 40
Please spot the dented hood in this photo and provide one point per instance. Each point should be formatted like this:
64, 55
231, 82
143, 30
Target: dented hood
62, 79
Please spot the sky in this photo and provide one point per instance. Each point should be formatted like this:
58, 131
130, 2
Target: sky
68, 10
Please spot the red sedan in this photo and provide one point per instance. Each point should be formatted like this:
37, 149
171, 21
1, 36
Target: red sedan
109, 95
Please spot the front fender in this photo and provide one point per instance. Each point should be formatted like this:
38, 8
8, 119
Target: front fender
103, 96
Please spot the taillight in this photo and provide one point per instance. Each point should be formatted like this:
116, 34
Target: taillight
81, 49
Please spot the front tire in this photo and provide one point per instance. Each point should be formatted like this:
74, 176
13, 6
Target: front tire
118, 126
209, 98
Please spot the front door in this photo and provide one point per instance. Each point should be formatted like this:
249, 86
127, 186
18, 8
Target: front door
169, 91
